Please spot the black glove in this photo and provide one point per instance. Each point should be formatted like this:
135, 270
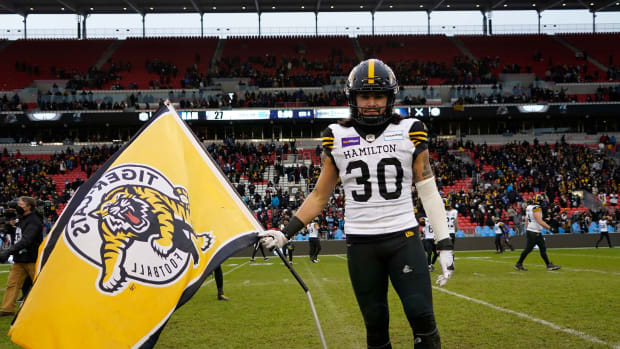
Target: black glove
4, 255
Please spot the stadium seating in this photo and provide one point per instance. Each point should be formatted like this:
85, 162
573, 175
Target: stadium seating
520, 49
313, 49
178, 51
395, 49
68, 55
598, 46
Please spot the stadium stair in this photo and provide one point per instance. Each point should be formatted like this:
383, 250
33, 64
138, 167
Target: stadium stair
579, 51
358, 49
108, 54
462, 48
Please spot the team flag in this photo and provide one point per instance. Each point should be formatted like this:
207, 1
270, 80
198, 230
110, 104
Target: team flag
134, 244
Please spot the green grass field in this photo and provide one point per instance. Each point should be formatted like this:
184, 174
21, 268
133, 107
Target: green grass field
487, 304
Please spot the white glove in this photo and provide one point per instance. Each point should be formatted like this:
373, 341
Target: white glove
271, 239
446, 261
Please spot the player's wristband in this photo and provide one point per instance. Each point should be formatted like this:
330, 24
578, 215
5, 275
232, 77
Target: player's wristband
445, 244
294, 226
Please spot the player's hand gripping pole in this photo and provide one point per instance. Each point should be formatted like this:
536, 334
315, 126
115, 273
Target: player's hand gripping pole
305, 288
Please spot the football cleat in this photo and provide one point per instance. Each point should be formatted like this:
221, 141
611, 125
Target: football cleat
520, 266
552, 266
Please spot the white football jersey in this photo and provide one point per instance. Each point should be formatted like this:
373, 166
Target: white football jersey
532, 225
451, 217
313, 230
428, 229
377, 175
602, 225
498, 228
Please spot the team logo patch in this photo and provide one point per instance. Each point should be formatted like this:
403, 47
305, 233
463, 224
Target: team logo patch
135, 225
350, 141
393, 136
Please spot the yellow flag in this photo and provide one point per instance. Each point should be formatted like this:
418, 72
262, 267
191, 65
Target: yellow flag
135, 243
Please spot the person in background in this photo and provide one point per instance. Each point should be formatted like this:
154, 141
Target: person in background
535, 225
28, 237
603, 224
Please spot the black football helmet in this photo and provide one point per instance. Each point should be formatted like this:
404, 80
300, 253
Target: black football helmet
371, 75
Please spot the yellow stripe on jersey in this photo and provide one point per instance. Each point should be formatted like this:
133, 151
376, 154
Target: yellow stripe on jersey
371, 71
536, 209
421, 133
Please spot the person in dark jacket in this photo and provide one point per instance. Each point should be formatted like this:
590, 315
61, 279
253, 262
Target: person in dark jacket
28, 237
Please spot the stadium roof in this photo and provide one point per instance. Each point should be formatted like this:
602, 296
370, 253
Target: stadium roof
261, 6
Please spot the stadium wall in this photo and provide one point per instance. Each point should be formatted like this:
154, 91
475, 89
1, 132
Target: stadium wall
462, 244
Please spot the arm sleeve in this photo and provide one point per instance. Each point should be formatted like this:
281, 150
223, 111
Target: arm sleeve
418, 134
435, 210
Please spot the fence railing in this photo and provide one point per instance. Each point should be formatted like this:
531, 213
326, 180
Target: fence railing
352, 31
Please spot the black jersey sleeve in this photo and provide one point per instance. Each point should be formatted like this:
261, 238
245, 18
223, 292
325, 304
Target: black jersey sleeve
418, 134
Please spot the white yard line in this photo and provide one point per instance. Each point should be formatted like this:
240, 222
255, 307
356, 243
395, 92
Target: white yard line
226, 273
538, 264
588, 255
575, 333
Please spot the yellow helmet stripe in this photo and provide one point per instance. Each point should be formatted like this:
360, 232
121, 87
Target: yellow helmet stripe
371, 71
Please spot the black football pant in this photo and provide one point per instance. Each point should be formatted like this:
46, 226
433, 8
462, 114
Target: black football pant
533, 239
315, 248
506, 241
219, 279
372, 260
604, 234
431, 251
498, 243
257, 246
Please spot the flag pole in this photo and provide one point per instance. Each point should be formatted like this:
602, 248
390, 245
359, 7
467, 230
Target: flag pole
305, 288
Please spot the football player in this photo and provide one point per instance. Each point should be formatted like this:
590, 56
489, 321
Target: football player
602, 226
378, 156
428, 240
451, 217
535, 225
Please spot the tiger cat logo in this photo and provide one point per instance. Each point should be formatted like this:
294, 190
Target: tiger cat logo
144, 227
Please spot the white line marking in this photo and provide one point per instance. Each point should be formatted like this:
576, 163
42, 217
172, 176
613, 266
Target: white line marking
579, 334
588, 255
341, 257
226, 273
563, 268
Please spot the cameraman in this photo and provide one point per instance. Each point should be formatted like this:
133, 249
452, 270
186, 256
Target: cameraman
28, 237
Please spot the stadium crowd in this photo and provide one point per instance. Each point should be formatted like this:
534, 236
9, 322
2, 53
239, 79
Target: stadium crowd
513, 172
12, 103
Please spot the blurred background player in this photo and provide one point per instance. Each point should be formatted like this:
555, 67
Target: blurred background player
219, 283
535, 225
289, 248
451, 217
603, 224
502, 236
314, 240
428, 239
258, 246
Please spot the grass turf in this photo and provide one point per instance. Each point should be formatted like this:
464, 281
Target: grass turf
487, 304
